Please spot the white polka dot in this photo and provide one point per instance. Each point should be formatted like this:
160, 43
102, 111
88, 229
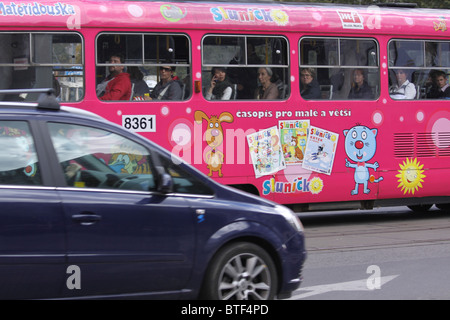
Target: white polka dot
317, 16
135, 10
377, 117
420, 116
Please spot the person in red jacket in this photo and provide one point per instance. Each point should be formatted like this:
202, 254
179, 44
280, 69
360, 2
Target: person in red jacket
117, 86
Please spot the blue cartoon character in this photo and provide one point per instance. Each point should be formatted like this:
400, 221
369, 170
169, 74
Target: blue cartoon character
360, 146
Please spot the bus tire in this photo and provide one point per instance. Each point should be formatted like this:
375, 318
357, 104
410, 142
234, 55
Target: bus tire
443, 206
420, 208
240, 271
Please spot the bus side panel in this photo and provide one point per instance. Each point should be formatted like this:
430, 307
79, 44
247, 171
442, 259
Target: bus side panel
419, 164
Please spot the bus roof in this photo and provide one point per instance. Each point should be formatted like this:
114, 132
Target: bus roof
233, 16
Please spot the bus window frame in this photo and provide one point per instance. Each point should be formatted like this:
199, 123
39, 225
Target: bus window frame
33, 64
338, 65
37, 64
412, 69
286, 66
143, 63
59, 64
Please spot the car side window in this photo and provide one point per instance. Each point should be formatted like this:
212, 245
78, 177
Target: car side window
183, 181
18, 159
95, 158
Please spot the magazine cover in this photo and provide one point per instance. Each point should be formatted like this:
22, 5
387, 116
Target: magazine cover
320, 150
265, 151
293, 136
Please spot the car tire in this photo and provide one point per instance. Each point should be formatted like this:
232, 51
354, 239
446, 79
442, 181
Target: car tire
241, 271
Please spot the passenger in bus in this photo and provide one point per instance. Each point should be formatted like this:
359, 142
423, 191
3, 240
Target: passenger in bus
309, 87
56, 87
268, 90
168, 88
244, 78
431, 88
360, 89
141, 91
442, 86
117, 86
221, 88
403, 89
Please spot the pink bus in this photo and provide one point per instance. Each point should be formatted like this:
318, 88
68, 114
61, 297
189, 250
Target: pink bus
312, 106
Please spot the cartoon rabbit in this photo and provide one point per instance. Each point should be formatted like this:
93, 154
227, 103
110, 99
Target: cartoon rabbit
360, 146
214, 138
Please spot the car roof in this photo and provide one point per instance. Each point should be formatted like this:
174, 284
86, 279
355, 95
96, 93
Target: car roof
46, 102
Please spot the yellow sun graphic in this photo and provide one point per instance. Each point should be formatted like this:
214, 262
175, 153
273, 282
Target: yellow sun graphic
280, 17
410, 176
316, 185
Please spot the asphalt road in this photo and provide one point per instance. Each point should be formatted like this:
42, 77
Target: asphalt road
376, 255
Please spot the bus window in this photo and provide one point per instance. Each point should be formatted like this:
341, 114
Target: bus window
252, 67
426, 65
339, 68
158, 64
43, 60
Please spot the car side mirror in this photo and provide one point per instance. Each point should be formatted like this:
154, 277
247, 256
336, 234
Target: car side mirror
165, 182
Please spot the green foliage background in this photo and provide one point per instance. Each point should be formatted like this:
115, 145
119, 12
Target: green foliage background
440, 4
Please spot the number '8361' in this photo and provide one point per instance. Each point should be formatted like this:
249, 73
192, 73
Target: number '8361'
139, 123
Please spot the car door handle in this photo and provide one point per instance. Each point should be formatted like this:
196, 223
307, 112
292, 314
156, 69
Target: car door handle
86, 219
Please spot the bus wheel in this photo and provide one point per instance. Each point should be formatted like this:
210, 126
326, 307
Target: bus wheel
443, 206
420, 208
241, 271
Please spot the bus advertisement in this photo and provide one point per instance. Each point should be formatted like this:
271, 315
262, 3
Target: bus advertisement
312, 106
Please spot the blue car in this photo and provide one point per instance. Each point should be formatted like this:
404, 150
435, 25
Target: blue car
90, 210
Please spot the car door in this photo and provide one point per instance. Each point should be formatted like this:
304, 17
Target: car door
123, 236
32, 241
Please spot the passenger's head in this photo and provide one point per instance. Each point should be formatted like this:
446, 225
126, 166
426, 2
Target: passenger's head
219, 73
116, 58
135, 73
358, 76
402, 75
307, 75
265, 75
441, 79
166, 73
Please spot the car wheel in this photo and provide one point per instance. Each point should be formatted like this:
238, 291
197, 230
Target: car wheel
241, 271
